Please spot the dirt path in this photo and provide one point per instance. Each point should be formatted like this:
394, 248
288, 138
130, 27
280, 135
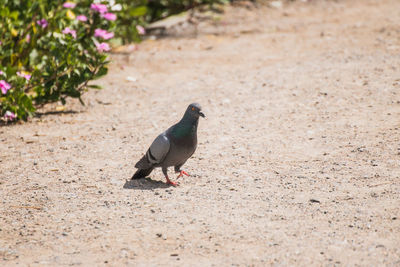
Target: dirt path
298, 160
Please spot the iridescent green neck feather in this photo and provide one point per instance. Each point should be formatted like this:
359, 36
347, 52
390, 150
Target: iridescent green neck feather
186, 127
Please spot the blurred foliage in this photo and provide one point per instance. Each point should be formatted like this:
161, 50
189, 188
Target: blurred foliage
142, 12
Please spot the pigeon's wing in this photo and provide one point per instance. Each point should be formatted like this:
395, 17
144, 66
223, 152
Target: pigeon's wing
156, 153
158, 149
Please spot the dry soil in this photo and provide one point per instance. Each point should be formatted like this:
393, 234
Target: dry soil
297, 162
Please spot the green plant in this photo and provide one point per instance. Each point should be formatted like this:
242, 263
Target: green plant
49, 51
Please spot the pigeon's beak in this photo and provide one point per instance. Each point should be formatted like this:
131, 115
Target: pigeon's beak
202, 114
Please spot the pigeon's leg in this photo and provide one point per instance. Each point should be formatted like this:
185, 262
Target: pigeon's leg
164, 170
181, 173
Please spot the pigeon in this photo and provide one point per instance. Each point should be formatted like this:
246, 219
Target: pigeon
173, 147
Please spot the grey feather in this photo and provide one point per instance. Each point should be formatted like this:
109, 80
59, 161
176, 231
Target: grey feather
174, 146
158, 149
155, 154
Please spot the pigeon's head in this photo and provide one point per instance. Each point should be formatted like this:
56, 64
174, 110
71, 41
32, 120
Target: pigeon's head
194, 110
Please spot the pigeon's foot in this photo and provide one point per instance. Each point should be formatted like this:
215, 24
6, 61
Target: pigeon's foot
171, 183
181, 173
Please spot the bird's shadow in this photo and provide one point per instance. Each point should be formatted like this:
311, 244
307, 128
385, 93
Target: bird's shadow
144, 184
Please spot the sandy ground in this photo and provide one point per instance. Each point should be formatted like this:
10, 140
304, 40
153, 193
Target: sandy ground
298, 160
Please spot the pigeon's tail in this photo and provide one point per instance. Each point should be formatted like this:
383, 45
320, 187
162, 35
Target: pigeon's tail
141, 173
144, 168
143, 163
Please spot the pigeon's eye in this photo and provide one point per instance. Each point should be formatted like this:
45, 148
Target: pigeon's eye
193, 108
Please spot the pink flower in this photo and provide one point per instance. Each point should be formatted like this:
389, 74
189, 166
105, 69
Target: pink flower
102, 47
4, 86
99, 8
42, 22
28, 38
24, 74
103, 34
1, 72
81, 18
9, 116
69, 5
140, 29
110, 16
67, 30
